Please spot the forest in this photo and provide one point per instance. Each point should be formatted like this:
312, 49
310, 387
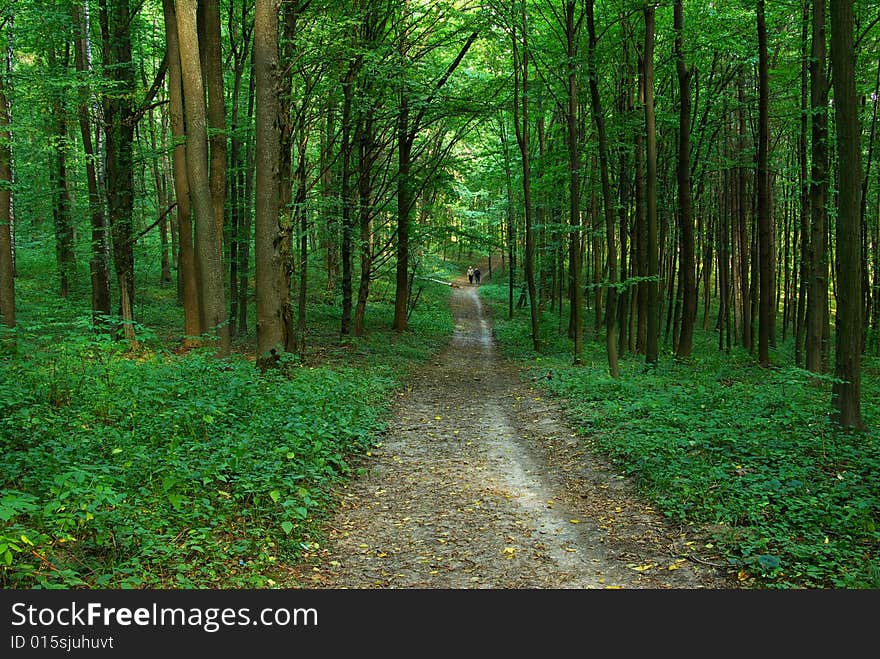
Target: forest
228, 230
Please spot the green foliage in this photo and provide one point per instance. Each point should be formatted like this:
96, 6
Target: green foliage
154, 469
746, 452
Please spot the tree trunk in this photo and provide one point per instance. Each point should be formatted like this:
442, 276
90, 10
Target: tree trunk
846, 390
207, 240
521, 123
99, 259
652, 347
213, 76
685, 220
576, 309
272, 296
119, 131
186, 265
765, 235
65, 258
7, 268
817, 299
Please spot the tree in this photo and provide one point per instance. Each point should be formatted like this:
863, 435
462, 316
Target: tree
846, 391
99, 262
685, 221
817, 297
271, 292
765, 230
186, 264
7, 265
652, 348
207, 239
521, 124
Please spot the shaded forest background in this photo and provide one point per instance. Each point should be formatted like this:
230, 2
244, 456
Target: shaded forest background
225, 222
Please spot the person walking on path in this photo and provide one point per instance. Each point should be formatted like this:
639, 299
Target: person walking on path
477, 276
470, 273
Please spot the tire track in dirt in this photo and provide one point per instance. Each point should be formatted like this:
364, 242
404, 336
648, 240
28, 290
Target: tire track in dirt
479, 483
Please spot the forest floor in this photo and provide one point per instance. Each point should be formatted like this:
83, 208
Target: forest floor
480, 483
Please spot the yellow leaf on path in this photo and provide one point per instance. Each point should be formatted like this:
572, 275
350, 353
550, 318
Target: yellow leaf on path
575, 521
381, 554
571, 549
742, 575
438, 418
509, 552
642, 568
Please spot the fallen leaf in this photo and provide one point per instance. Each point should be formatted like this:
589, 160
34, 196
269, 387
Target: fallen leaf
509, 552
575, 521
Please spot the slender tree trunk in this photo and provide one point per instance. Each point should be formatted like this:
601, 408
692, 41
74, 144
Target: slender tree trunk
804, 188
846, 390
685, 220
765, 236
366, 146
99, 253
247, 183
521, 122
186, 272
641, 225
207, 240
7, 268
345, 192
576, 309
652, 347
817, 299
65, 258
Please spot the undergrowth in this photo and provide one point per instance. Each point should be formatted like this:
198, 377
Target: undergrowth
746, 452
158, 468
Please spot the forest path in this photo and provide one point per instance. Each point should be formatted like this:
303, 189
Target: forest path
479, 483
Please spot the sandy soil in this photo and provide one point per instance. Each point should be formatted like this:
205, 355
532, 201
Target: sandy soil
479, 483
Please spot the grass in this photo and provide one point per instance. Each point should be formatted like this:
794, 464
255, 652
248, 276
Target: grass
746, 452
162, 469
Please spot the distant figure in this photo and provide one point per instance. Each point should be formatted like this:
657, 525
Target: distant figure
470, 272
477, 276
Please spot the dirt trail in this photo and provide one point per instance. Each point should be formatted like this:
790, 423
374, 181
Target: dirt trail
479, 483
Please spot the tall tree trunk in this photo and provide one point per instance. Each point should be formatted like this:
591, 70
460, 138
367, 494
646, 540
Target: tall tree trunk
804, 188
846, 390
99, 253
765, 231
213, 76
65, 258
641, 227
119, 113
652, 347
366, 141
576, 309
186, 264
7, 268
346, 194
685, 220
521, 122
742, 207
272, 295
207, 240
817, 299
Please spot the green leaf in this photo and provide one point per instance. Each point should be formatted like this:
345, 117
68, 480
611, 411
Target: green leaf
287, 526
275, 495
